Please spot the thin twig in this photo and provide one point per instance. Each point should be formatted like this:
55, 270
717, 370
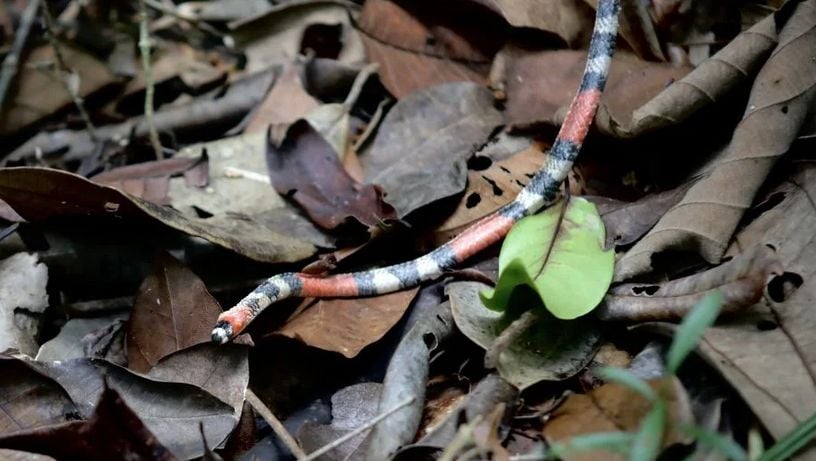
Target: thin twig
63, 71
350, 435
12, 61
276, 425
144, 48
508, 337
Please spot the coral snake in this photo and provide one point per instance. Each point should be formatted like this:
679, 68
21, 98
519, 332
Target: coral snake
540, 192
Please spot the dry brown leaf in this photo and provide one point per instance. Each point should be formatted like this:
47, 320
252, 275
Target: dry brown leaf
39, 92
541, 84
419, 45
571, 20
151, 180
782, 95
40, 193
614, 407
768, 353
708, 83
741, 282
348, 325
172, 311
287, 102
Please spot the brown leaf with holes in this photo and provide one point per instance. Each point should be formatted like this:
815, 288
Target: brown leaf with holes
285, 103
305, 167
172, 311
348, 325
782, 95
419, 45
112, 432
614, 407
540, 85
741, 281
151, 180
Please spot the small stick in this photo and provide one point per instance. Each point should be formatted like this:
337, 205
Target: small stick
508, 336
348, 436
63, 69
144, 48
276, 425
11, 63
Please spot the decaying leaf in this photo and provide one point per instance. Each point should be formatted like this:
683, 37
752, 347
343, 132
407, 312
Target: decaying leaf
39, 194
541, 84
172, 311
420, 45
614, 407
741, 282
287, 102
781, 97
558, 254
571, 20
305, 167
76, 337
151, 180
23, 299
419, 154
113, 431
348, 325
30, 399
552, 350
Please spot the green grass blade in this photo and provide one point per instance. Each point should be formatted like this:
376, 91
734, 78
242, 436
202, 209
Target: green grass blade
724, 445
629, 380
616, 442
691, 330
649, 438
786, 447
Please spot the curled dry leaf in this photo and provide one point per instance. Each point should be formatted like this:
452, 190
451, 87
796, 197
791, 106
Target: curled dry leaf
172, 311
419, 154
113, 431
305, 167
541, 84
781, 97
741, 282
418, 45
151, 180
348, 325
39, 194
614, 407
571, 20
287, 102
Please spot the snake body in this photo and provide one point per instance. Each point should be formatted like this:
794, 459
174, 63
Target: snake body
540, 192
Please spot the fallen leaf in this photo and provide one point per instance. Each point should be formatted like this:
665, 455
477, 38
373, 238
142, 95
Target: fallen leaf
421, 147
287, 102
172, 411
572, 20
69, 343
151, 180
419, 45
626, 222
40, 93
541, 84
15, 455
23, 299
222, 10
39, 194
30, 399
277, 34
172, 311
113, 431
741, 282
559, 254
305, 167
638, 29
781, 96
348, 325
614, 407
351, 408
552, 350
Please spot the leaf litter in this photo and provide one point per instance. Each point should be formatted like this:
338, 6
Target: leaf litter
339, 136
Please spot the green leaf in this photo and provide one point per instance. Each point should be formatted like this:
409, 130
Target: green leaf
614, 442
649, 437
691, 330
559, 254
